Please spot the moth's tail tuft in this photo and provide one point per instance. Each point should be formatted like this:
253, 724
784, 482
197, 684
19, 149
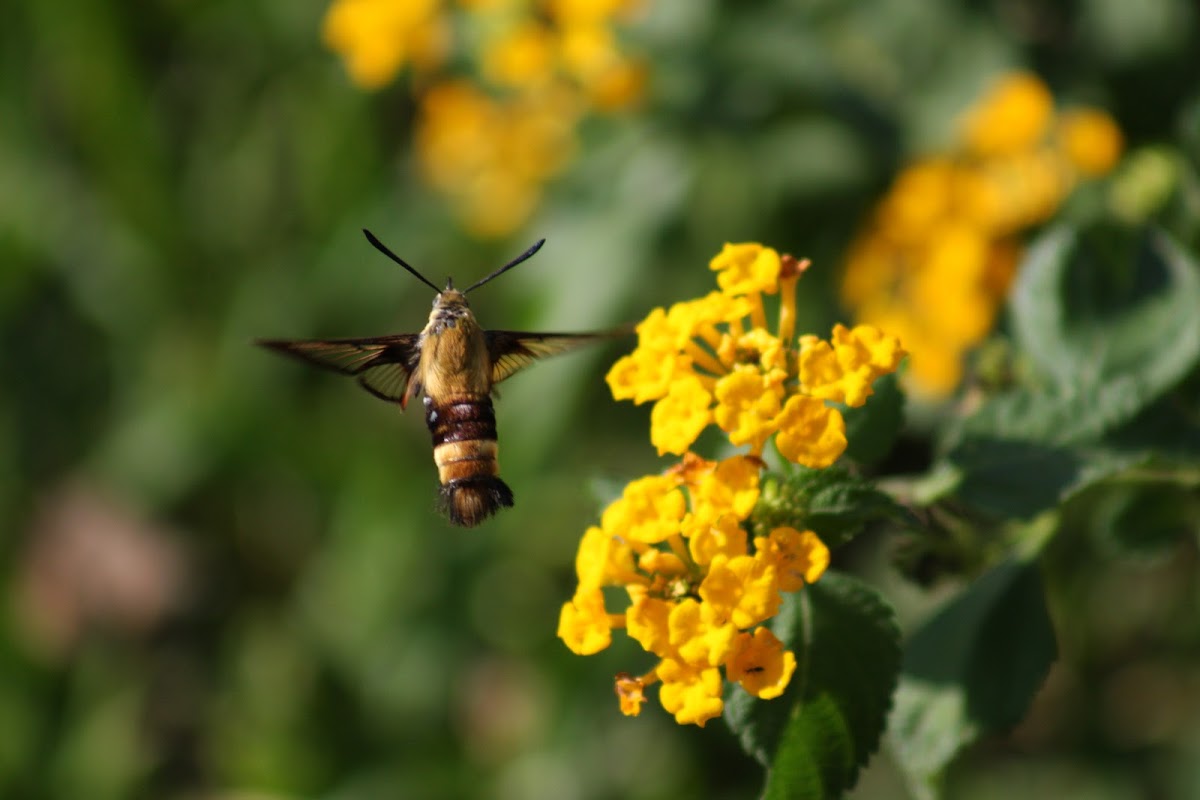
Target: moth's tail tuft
469, 501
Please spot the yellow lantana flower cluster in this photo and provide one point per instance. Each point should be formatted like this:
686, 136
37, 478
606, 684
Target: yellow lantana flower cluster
713, 360
490, 138
698, 589
935, 261
697, 595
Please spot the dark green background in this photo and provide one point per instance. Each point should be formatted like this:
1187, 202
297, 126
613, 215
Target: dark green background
177, 178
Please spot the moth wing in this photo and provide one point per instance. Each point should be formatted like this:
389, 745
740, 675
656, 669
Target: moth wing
512, 351
384, 365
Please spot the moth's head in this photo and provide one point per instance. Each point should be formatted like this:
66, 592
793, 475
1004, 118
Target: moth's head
450, 300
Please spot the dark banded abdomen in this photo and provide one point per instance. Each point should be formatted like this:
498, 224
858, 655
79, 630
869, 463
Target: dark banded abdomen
464, 449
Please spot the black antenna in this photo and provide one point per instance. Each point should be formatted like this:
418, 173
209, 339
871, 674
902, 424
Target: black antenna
523, 257
383, 249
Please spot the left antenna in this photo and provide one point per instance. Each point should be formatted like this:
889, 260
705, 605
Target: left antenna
381, 247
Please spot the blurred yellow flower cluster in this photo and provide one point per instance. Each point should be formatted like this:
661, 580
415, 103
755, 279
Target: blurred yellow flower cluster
934, 263
698, 589
503, 86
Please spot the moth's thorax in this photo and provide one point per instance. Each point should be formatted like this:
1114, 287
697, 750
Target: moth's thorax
454, 357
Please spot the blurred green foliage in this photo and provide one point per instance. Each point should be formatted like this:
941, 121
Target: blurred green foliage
224, 575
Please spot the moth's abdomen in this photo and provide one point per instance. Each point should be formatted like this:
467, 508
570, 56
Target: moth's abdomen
464, 449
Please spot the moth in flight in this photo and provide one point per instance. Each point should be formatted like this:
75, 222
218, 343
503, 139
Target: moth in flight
454, 364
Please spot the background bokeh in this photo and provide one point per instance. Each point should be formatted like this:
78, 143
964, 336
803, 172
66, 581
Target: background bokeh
223, 574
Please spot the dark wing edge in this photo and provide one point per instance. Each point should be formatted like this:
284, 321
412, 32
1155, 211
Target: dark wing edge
384, 365
512, 351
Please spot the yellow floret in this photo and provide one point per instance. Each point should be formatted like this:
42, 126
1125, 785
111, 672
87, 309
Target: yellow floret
760, 664
583, 623
810, 433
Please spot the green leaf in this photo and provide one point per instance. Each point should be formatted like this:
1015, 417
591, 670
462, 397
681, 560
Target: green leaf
815, 738
1170, 427
1145, 519
970, 670
1036, 308
1130, 315
1119, 338
1054, 417
871, 429
1013, 478
839, 513
831, 502
1023, 453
